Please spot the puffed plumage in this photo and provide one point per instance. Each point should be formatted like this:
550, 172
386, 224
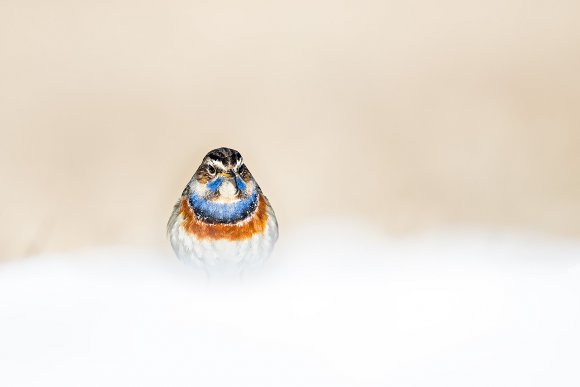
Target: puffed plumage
222, 220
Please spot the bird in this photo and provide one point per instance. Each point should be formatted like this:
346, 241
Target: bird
222, 221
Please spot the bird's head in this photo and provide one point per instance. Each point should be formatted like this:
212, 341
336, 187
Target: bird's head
222, 177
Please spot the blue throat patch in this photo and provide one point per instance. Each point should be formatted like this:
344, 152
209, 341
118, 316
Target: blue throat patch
215, 184
211, 212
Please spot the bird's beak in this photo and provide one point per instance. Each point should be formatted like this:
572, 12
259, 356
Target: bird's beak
231, 177
230, 174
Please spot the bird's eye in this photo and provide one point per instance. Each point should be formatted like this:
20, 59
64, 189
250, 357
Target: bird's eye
211, 170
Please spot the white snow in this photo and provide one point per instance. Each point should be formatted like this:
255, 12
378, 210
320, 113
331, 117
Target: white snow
335, 306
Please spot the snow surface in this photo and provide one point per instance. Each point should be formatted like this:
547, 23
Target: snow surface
351, 309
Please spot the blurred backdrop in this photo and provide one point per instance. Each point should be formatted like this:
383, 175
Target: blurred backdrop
412, 116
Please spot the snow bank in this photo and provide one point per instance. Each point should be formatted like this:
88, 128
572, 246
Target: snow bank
351, 309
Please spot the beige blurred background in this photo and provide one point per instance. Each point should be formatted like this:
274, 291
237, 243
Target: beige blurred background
409, 115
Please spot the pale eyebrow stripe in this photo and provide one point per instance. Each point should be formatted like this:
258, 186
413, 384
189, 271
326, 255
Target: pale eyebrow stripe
218, 163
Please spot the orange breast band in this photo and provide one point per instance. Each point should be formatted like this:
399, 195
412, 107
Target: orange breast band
245, 229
